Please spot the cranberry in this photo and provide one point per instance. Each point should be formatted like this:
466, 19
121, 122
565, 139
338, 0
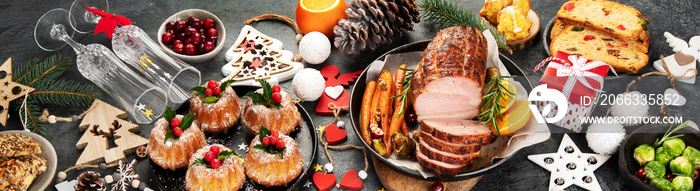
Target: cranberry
208, 23
280, 144
188, 41
190, 49
276, 97
215, 163
266, 141
179, 48
273, 140
376, 131
438, 186
196, 38
180, 26
197, 24
647, 181
209, 156
181, 36
170, 25
167, 38
214, 149
177, 41
276, 88
201, 32
192, 19
211, 39
212, 84
208, 46
209, 92
175, 122
200, 48
217, 91
190, 31
695, 175
411, 119
177, 131
641, 173
275, 133
171, 31
670, 177
212, 32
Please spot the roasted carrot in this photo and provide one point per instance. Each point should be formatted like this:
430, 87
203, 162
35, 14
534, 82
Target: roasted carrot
373, 113
404, 128
396, 118
365, 111
399, 86
386, 87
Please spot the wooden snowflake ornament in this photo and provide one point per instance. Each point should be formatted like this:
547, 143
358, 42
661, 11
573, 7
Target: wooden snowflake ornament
104, 122
9, 90
255, 55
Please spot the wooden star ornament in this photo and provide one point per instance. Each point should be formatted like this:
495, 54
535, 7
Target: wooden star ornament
9, 90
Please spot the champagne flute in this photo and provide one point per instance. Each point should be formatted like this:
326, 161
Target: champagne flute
143, 100
81, 21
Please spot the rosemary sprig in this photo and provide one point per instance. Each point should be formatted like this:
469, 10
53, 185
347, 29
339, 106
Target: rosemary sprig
446, 14
490, 106
668, 133
406, 86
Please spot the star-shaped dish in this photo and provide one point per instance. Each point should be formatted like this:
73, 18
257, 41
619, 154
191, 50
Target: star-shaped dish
569, 166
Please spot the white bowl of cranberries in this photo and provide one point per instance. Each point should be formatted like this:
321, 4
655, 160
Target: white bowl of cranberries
192, 35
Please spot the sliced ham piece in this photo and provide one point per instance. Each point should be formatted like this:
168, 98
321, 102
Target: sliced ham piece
449, 79
457, 131
439, 168
447, 157
448, 147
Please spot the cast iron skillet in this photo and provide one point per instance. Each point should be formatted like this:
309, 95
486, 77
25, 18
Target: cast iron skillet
305, 136
356, 104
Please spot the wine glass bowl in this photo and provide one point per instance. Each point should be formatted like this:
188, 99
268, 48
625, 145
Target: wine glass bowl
201, 14
84, 21
50, 27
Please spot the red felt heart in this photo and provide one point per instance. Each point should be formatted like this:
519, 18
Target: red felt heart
323, 182
351, 181
342, 101
335, 135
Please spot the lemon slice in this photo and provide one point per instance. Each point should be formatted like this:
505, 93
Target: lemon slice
515, 118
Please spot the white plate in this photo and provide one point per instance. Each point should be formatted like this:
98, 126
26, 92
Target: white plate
47, 152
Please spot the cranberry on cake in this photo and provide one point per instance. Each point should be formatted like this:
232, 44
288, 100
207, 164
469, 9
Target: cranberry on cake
271, 107
216, 106
173, 140
273, 159
213, 168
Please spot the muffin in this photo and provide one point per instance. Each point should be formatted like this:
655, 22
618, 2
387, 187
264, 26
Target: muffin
269, 169
513, 24
219, 115
285, 119
174, 153
228, 176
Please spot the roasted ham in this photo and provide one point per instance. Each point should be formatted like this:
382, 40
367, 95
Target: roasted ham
458, 131
447, 146
452, 158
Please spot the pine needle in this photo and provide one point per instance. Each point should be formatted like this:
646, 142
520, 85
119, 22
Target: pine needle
446, 14
48, 69
64, 93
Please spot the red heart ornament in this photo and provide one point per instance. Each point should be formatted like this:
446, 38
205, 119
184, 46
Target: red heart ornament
351, 181
335, 135
323, 182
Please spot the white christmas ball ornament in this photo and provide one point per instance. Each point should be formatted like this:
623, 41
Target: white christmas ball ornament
315, 47
631, 110
308, 84
604, 138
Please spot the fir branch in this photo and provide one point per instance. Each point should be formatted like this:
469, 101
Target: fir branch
446, 14
32, 121
48, 69
64, 93
490, 106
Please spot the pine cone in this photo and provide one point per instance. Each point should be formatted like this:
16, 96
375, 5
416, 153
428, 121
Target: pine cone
89, 181
372, 23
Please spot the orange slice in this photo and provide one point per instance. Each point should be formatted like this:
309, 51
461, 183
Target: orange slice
320, 15
515, 118
505, 100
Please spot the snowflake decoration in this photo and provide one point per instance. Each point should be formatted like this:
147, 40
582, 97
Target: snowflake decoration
128, 175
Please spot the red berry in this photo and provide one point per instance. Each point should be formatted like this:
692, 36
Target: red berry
212, 32
376, 132
273, 140
647, 181
696, 173
177, 41
670, 177
280, 144
438, 186
411, 119
275, 133
196, 38
180, 26
181, 36
190, 49
215, 163
167, 38
209, 92
175, 122
190, 31
276, 97
276, 88
196, 24
192, 19
208, 23
188, 41
208, 46
177, 131
170, 25
178, 48
266, 141
200, 48
641, 173
209, 156
217, 91
171, 31
212, 84
211, 39
214, 149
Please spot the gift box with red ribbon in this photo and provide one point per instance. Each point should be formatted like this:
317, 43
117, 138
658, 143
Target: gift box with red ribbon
579, 80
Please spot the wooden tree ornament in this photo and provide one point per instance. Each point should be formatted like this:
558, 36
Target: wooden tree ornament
9, 90
101, 123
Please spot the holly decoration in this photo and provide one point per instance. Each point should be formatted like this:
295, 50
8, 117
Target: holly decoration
176, 126
270, 142
269, 97
211, 92
213, 158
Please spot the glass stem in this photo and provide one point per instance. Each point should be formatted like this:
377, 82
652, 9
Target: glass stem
77, 47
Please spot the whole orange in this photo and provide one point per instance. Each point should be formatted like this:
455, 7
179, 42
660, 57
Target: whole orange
320, 15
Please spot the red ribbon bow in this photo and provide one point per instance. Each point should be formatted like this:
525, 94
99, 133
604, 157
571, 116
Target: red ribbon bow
108, 22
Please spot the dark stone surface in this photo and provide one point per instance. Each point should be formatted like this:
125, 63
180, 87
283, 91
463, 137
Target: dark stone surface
19, 17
